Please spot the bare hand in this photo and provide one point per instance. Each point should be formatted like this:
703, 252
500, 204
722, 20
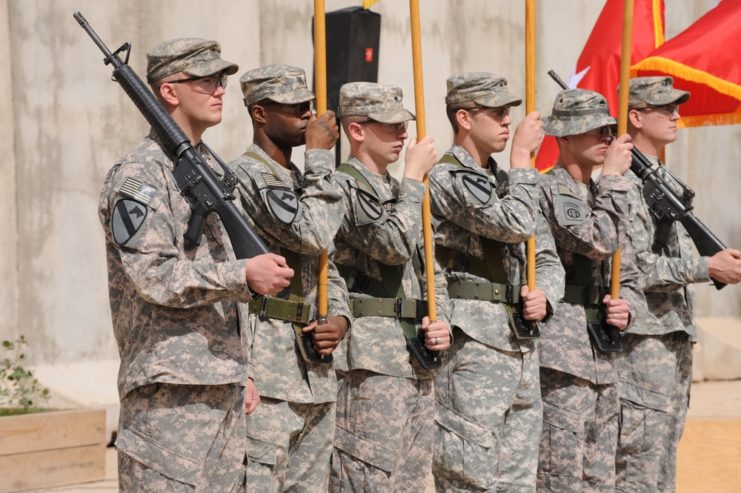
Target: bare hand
268, 274
251, 397
437, 334
617, 312
618, 157
534, 304
322, 132
420, 158
725, 266
327, 336
528, 137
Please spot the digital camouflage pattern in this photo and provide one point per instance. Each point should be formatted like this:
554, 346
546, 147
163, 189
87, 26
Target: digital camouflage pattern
656, 368
488, 395
296, 214
577, 111
577, 446
654, 91
174, 308
385, 414
385, 446
587, 220
185, 451
290, 449
376, 101
280, 83
193, 56
482, 88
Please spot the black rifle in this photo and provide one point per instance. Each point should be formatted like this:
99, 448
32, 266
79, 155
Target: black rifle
668, 204
204, 191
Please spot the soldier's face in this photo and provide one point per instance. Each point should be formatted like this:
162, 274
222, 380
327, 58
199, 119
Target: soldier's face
590, 148
199, 99
659, 123
490, 127
285, 124
384, 141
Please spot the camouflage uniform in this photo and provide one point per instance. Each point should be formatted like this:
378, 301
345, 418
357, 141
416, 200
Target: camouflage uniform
289, 436
385, 404
578, 381
656, 368
176, 315
489, 411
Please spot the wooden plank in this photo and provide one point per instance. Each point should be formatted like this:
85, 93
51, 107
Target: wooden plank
709, 456
52, 430
52, 468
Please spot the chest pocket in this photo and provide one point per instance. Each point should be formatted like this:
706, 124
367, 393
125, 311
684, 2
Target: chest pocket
569, 209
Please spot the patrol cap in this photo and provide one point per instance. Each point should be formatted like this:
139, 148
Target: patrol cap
483, 88
194, 56
654, 91
280, 83
577, 111
378, 102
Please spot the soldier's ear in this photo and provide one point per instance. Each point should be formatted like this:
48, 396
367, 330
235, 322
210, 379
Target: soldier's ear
463, 118
168, 94
258, 113
355, 132
635, 119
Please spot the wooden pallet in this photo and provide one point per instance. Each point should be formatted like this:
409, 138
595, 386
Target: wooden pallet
51, 449
709, 456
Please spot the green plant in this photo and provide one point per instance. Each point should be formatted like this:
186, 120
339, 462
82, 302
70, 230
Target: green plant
20, 391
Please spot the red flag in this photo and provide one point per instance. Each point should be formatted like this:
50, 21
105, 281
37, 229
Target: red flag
704, 59
598, 67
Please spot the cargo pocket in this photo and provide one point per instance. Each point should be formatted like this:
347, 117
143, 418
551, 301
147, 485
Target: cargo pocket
372, 453
561, 442
464, 450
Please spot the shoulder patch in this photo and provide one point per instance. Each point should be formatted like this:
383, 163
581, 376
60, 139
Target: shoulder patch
367, 208
569, 210
140, 192
282, 203
476, 185
128, 217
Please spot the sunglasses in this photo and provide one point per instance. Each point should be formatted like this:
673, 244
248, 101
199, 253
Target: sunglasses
204, 85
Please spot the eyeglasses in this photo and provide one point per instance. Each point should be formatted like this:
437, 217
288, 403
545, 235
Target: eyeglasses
205, 85
498, 113
295, 110
396, 127
608, 131
665, 109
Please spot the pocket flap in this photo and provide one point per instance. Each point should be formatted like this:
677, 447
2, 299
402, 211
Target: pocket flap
460, 425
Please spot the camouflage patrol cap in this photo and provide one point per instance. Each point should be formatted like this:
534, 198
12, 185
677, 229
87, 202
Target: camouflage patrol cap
577, 111
280, 83
483, 88
194, 56
378, 102
654, 91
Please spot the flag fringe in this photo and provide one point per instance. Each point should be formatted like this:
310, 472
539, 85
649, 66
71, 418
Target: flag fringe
682, 71
715, 119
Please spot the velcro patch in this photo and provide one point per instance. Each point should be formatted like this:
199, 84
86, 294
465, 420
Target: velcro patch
140, 192
476, 185
282, 203
128, 217
569, 210
367, 208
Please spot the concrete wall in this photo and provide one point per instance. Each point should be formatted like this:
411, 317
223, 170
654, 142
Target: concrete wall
65, 122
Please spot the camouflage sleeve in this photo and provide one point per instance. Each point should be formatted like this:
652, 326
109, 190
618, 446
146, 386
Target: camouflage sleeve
594, 231
339, 300
442, 301
549, 272
301, 220
391, 237
660, 273
631, 283
466, 198
153, 259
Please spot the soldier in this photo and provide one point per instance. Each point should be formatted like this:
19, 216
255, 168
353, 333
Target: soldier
489, 412
385, 410
289, 437
656, 368
588, 220
176, 308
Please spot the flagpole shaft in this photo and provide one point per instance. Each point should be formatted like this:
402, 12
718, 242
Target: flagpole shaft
419, 107
320, 88
625, 54
530, 107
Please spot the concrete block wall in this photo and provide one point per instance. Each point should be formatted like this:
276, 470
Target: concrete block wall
64, 123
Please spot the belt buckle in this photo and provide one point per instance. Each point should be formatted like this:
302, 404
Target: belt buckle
510, 294
299, 312
263, 307
398, 308
421, 309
